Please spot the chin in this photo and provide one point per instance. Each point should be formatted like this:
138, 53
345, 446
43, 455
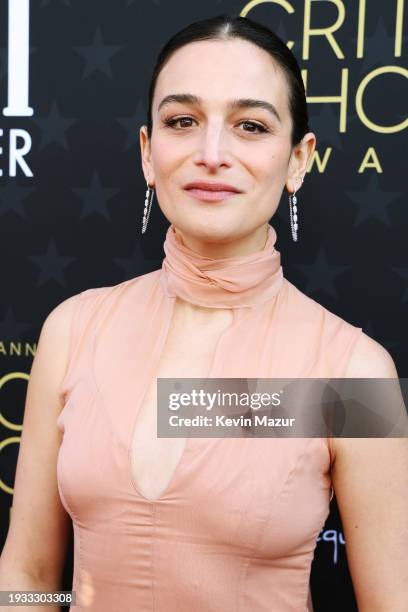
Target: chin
211, 230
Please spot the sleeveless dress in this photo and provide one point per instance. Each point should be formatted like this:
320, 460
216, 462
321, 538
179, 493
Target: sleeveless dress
236, 528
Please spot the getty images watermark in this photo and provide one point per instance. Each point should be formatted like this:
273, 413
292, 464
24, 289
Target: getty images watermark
225, 399
282, 407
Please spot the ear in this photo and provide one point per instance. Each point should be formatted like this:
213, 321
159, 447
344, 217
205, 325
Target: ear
299, 161
145, 151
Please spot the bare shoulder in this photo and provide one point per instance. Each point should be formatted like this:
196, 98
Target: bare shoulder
57, 329
370, 359
60, 317
54, 340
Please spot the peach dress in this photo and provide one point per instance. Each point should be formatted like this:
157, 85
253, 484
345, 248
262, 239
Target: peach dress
235, 530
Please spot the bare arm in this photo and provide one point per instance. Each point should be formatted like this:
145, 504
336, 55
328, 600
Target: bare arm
370, 479
34, 552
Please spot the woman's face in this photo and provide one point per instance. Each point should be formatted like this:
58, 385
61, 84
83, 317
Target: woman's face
207, 139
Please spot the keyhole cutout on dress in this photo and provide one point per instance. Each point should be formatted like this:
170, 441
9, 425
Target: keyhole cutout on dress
188, 352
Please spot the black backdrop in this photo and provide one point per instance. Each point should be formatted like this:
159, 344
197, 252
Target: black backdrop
72, 189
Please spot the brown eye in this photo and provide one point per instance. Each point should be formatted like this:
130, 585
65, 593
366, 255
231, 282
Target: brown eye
173, 122
257, 126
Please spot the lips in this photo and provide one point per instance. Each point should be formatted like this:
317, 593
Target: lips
203, 186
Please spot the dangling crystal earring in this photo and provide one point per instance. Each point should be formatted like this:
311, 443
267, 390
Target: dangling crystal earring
293, 213
148, 206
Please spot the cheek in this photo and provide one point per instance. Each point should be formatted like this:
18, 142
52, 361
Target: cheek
165, 157
278, 157
270, 176
270, 163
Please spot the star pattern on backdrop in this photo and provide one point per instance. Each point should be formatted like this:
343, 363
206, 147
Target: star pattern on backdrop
321, 274
326, 124
51, 265
95, 197
98, 55
12, 197
372, 202
11, 328
135, 264
132, 125
378, 48
53, 127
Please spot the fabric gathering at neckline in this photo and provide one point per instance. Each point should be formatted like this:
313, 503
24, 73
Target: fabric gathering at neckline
232, 282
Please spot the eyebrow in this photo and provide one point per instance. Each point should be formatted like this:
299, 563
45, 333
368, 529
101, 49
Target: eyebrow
184, 98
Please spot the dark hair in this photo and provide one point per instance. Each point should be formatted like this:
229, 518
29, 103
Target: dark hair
225, 27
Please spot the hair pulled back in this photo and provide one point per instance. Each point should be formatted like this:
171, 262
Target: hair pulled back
225, 27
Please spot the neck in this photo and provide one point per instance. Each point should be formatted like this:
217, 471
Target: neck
223, 282
244, 245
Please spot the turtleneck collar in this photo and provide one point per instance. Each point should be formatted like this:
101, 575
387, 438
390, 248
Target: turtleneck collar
229, 282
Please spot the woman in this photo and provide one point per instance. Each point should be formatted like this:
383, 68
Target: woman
174, 524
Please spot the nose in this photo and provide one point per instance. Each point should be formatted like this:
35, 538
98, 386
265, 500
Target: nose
213, 146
